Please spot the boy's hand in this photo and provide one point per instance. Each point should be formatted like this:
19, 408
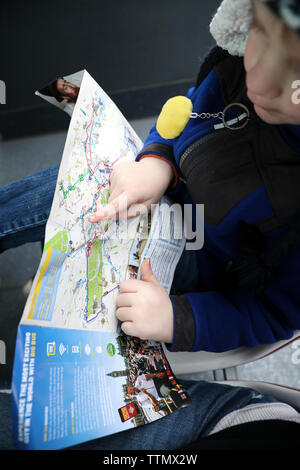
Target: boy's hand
145, 308
134, 186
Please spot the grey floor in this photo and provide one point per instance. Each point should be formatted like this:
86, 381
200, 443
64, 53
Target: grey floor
22, 157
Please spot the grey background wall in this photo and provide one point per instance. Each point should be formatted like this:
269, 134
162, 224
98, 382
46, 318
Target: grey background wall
128, 47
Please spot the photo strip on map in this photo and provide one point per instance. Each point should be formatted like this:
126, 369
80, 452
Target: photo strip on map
63, 91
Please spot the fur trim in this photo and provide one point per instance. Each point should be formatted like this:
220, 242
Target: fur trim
231, 24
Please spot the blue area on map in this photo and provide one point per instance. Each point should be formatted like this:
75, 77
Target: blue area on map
47, 295
61, 392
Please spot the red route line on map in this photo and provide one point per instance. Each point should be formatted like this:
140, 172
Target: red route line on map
91, 242
92, 171
88, 140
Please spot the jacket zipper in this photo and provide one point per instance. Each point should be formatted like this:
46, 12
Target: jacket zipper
212, 135
194, 146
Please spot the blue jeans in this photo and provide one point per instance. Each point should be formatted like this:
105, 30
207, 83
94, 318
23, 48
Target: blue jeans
24, 209
210, 403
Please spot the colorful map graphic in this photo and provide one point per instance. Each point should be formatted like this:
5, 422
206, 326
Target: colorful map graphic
83, 263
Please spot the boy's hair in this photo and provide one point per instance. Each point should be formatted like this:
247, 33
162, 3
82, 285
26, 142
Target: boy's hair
288, 11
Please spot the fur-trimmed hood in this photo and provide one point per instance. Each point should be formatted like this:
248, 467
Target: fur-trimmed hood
231, 24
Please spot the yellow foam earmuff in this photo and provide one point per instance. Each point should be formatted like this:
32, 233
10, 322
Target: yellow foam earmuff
174, 116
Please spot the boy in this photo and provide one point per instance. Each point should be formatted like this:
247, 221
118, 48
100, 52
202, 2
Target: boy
248, 180
230, 417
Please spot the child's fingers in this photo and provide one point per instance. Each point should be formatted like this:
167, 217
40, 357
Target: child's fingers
130, 285
102, 213
128, 328
125, 300
114, 192
111, 210
124, 314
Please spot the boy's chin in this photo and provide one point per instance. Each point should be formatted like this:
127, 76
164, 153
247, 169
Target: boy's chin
275, 117
269, 116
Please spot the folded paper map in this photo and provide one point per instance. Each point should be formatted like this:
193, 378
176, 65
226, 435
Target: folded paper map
77, 376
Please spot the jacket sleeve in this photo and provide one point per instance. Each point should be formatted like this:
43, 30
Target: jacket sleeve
217, 322
157, 146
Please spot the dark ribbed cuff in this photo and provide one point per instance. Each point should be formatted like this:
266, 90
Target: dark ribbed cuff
184, 324
159, 149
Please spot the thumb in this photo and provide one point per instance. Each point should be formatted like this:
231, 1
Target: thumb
147, 273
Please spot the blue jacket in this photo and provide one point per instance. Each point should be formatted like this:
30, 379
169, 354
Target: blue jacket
248, 175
